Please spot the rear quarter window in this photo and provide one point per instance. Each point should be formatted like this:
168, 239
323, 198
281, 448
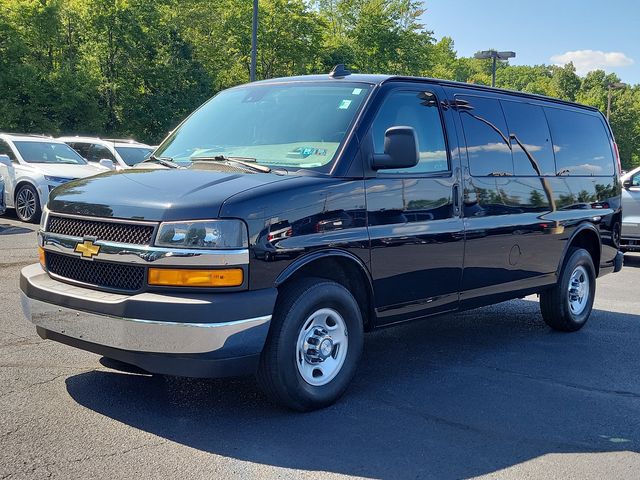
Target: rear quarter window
580, 143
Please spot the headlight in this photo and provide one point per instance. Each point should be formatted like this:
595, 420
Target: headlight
49, 178
209, 234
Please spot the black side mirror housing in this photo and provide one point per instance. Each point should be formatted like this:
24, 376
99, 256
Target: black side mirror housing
627, 184
400, 149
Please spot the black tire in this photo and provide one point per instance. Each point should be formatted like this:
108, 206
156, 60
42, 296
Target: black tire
555, 303
278, 373
31, 212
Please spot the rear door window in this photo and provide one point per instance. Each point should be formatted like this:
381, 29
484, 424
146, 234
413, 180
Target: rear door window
530, 139
487, 137
580, 143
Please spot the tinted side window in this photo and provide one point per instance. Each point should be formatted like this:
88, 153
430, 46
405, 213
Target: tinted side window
420, 111
5, 149
580, 142
487, 137
530, 139
81, 148
98, 152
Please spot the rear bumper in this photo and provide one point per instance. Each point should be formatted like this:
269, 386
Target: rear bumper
200, 335
630, 243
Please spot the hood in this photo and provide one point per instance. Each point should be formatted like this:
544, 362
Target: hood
154, 194
66, 170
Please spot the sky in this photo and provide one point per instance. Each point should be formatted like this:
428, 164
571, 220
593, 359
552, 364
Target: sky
594, 34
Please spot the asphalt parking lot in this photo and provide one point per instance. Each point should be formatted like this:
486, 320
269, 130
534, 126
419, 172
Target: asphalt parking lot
491, 392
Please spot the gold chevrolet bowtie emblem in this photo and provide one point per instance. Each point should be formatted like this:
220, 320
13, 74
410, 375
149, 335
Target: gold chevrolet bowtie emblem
87, 248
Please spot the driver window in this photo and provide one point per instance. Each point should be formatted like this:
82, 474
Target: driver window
420, 111
5, 149
98, 152
635, 180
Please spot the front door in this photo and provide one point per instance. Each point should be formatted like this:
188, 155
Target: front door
417, 239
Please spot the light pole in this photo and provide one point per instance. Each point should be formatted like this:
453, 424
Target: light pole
612, 86
254, 42
495, 56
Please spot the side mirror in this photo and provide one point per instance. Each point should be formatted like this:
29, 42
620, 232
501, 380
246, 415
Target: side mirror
400, 149
5, 160
105, 162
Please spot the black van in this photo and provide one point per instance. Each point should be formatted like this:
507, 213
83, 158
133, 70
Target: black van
284, 218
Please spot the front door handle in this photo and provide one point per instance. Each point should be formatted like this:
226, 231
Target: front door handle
456, 199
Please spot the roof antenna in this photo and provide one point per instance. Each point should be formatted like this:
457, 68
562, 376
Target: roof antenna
339, 71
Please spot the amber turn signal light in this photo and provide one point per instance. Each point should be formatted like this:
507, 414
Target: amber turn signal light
173, 277
41, 256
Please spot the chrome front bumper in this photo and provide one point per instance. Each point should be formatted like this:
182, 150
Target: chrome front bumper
136, 334
219, 326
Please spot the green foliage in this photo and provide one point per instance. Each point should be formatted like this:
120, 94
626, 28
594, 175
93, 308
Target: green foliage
137, 67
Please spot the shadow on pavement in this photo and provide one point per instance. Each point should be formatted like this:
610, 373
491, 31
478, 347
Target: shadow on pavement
7, 229
631, 260
454, 396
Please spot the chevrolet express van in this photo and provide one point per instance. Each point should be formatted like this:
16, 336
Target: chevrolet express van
285, 218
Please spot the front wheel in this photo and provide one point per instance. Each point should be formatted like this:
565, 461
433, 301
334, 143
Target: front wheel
28, 204
314, 344
566, 307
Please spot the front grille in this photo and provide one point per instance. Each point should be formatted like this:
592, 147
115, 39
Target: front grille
115, 276
110, 231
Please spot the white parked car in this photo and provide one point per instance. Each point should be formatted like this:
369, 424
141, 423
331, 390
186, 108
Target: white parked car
630, 235
2, 201
123, 153
32, 166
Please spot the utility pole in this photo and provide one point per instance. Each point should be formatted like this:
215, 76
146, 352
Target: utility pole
494, 56
254, 42
612, 86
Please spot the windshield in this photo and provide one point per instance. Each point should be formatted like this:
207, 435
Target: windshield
292, 125
48, 152
133, 155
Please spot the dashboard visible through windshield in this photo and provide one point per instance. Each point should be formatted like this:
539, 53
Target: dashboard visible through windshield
291, 125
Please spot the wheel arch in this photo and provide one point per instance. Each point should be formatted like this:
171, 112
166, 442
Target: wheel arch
19, 184
342, 267
585, 236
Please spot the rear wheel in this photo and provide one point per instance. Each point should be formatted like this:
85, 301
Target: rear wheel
314, 344
566, 307
28, 204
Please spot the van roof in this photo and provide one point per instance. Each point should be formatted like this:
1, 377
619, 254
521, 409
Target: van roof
379, 79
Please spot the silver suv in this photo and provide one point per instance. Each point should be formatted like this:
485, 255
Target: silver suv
630, 236
32, 166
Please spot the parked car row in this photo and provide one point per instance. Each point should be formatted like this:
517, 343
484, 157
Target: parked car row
31, 166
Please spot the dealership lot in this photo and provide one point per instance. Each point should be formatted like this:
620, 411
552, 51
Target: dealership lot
489, 392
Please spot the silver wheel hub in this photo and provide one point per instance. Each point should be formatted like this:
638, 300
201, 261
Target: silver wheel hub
579, 290
321, 347
26, 203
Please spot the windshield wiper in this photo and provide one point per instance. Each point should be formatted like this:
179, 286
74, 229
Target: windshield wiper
246, 162
165, 161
